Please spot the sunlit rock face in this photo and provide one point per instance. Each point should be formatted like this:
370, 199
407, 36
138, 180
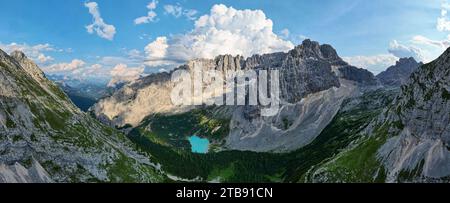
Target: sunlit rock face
45, 138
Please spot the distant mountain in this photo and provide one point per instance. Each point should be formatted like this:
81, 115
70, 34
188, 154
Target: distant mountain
45, 138
399, 73
409, 142
83, 94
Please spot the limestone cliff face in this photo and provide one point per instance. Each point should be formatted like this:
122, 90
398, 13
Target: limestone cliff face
313, 86
132, 103
314, 80
45, 138
304, 70
420, 144
409, 141
19, 174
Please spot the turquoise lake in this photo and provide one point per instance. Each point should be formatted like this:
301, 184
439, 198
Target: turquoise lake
199, 145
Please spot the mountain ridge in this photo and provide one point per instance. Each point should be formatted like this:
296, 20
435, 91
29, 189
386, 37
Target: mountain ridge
409, 140
307, 70
40, 125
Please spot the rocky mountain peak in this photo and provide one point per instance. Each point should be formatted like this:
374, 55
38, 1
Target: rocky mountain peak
2, 53
18, 55
313, 49
398, 74
403, 61
307, 49
28, 65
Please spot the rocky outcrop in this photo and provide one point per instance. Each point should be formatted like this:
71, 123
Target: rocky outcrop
399, 73
362, 76
312, 90
420, 145
410, 139
19, 174
135, 101
294, 126
307, 70
39, 125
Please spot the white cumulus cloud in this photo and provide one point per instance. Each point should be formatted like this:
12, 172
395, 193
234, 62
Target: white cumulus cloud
65, 67
402, 51
156, 52
151, 14
122, 73
98, 25
34, 52
224, 30
94, 70
44, 59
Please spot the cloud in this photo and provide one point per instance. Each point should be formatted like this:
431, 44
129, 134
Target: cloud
375, 63
402, 51
134, 54
152, 5
94, 70
44, 59
431, 48
178, 11
102, 29
224, 30
151, 14
113, 69
443, 24
380, 62
190, 13
65, 67
34, 52
144, 36
114, 60
285, 33
419, 39
173, 10
122, 73
156, 52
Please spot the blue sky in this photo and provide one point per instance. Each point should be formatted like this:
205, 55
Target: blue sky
366, 33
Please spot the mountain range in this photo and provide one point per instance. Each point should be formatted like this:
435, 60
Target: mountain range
336, 123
